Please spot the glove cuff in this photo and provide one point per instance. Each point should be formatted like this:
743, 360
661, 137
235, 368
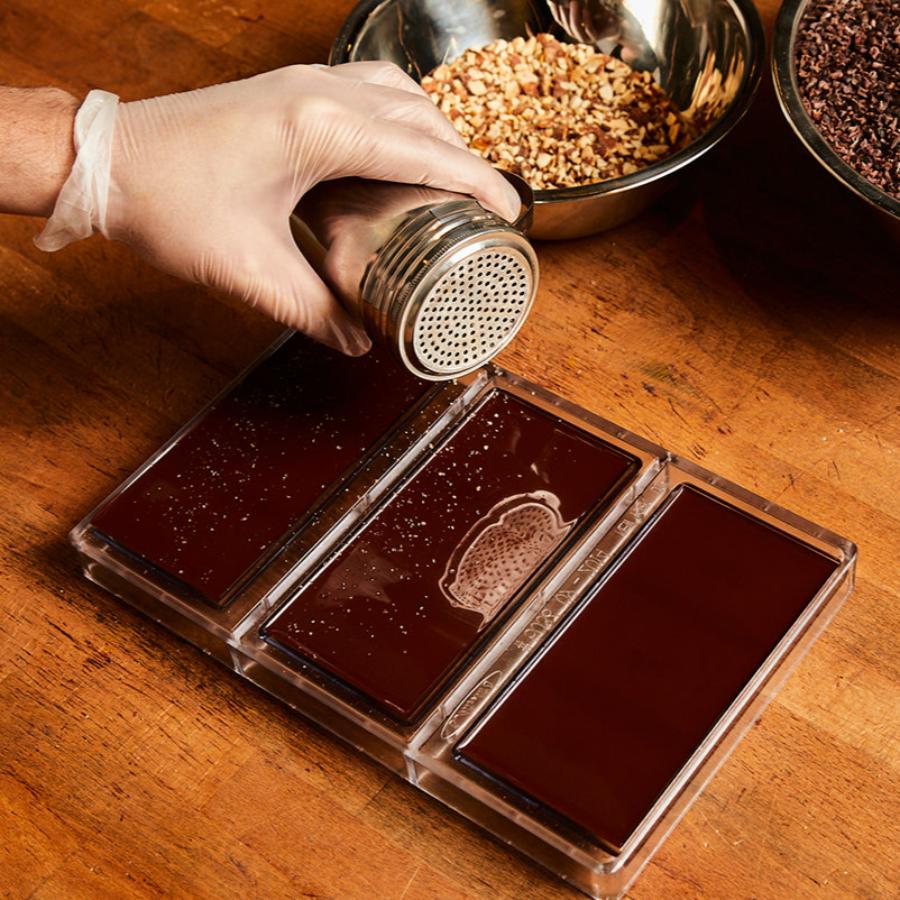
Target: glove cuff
81, 205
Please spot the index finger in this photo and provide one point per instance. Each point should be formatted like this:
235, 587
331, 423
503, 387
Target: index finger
378, 71
409, 156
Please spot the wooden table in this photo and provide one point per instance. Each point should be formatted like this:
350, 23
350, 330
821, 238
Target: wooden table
750, 323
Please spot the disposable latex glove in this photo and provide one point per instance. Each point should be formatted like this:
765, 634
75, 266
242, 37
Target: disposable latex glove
203, 183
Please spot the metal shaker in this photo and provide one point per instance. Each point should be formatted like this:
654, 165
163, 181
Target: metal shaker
446, 283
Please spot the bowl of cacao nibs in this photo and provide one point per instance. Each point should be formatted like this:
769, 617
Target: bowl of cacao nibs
598, 104
836, 67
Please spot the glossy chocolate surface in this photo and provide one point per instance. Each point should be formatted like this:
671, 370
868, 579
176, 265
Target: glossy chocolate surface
255, 465
605, 718
395, 611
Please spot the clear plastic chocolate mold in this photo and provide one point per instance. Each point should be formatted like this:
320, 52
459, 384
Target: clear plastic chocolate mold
544, 621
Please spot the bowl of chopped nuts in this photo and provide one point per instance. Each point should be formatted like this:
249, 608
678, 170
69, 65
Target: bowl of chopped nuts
597, 104
836, 66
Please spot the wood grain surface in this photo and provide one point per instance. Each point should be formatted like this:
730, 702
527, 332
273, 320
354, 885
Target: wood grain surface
750, 322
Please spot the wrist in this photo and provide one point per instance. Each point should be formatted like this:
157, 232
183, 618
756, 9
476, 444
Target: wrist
61, 108
38, 148
81, 204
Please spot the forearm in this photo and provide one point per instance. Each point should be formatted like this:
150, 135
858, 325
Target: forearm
36, 147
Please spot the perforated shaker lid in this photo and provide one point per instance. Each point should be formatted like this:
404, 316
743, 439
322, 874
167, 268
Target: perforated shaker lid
452, 287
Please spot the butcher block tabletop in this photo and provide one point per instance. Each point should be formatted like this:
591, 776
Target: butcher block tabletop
750, 322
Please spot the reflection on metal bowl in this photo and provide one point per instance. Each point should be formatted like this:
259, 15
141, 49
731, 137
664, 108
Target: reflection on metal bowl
706, 54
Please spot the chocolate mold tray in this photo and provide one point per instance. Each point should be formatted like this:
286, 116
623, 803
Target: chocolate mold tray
414, 601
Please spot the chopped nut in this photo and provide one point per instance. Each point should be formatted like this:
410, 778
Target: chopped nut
558, 114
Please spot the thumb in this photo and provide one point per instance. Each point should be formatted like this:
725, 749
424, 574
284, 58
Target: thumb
292, 293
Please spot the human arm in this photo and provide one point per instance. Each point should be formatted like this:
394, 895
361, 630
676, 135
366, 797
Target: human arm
203, 183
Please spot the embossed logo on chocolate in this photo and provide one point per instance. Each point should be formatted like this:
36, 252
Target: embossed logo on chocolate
501, 550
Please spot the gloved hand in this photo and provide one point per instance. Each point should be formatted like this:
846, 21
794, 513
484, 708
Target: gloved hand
203, 183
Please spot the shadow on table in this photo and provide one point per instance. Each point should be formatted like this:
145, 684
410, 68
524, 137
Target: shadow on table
805, 249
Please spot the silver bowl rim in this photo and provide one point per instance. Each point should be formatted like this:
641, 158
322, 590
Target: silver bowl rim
785, 78
748, 15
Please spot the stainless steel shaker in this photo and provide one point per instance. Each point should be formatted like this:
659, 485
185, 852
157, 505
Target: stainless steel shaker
446, 283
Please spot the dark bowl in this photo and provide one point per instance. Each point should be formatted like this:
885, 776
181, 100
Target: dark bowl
784, 73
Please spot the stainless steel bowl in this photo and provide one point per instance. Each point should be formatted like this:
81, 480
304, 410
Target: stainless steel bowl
784, 73
706, 54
